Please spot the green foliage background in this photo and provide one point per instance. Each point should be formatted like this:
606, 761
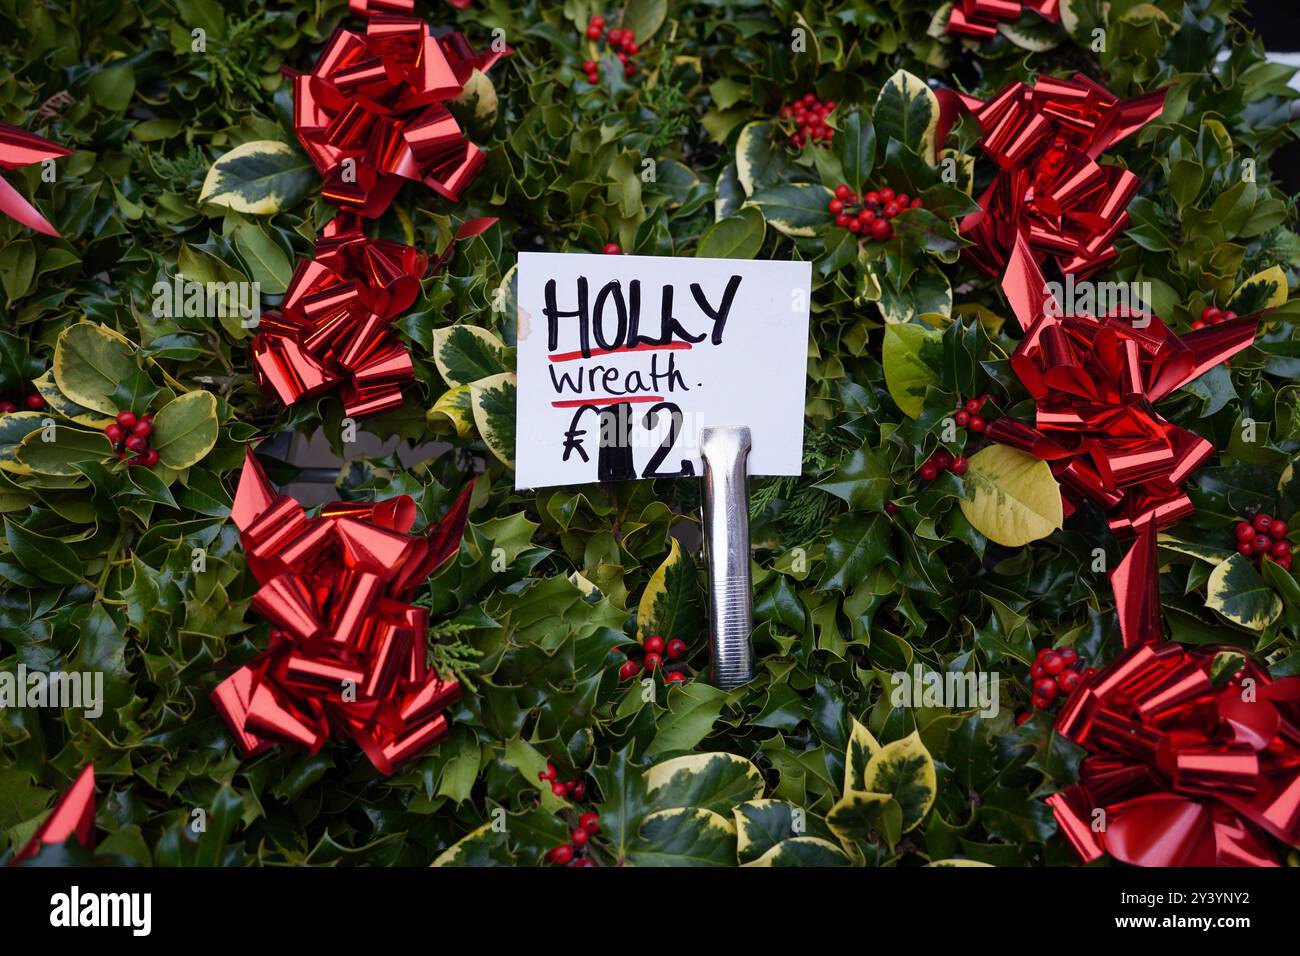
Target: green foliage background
96, 566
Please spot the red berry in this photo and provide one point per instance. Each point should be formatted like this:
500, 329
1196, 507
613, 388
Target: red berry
1069, 681
1261, 544
621, 57
1069, 655
115, 433
593, 33
1197, 325
1284, 562
1263, 521
1021, 718
1042, 703
597, 21
866, 215
1280, 549
126, 419
855, 225
7, 407
886, 194
578, 789
1246, 549
809, 99
147, 419
676, 677
589, 66
590, 821
548, 773
136, 443
891, 210
1053, 664
902, 199
612, 249
34, 402
1211, 314
959, 465
652, 662
143, 429
976, 424
629, 669
560, 789
676, 649
798, 139
942, 459
929, 472
916, 203
1277, 528
629, 69
1043, 652
561, 855
1046, 687
891, 508
843, 220
973, 405
579, 837
1244, 530
1228, 316
872, 197
654, 644
836, 206
880, 230
842, 191
149, 457
962, 418
632, 47
1036, 671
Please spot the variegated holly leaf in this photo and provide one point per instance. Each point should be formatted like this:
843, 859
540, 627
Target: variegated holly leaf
90, 363
862, 747
485, 846
260, 178
803, 851
715, 781
465, 353
762, 824
60, 451
1236, 590
14, 427
1263, 290
185, 429
908, 111
795, 209
760, 163
911, 355
859, 814
493, 400
1032, 32
957, 862
672, 604
456, 405
61, 404
1013, 497
739, 236
904, 769
684, 836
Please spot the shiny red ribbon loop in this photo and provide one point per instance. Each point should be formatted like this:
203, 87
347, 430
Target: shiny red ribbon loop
372, 114
1183, 772
20, 148
334, 326
348, 652
979, 19
1050, 189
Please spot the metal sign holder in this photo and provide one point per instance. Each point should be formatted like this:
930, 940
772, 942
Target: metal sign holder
725, 450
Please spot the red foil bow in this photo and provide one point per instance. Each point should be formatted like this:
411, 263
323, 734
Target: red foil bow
980, 18
73, 816
348, 653
1187, 774
1049, 187
20, 148
1096, 382
334, 326
372, 114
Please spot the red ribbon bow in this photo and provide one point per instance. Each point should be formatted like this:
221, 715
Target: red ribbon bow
20, 148
1049, 187
1187, 774
335, 323
372, 114
1096, 382
980, 18
73, 816
348, 652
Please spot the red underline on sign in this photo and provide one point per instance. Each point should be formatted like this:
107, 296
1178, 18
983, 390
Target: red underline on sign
632, 399
643, 347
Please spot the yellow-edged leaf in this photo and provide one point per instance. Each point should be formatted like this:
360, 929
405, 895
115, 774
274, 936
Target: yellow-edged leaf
1014, 498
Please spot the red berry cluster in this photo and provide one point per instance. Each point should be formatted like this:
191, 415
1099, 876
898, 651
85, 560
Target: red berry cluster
869, 215
571, 853
1263, 536
655, 651
33, 403
130, 438
808, 116
967, 416
1055, 673
622, 42
1211, 315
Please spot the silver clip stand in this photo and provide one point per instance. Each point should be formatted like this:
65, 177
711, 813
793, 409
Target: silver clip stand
725, 450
